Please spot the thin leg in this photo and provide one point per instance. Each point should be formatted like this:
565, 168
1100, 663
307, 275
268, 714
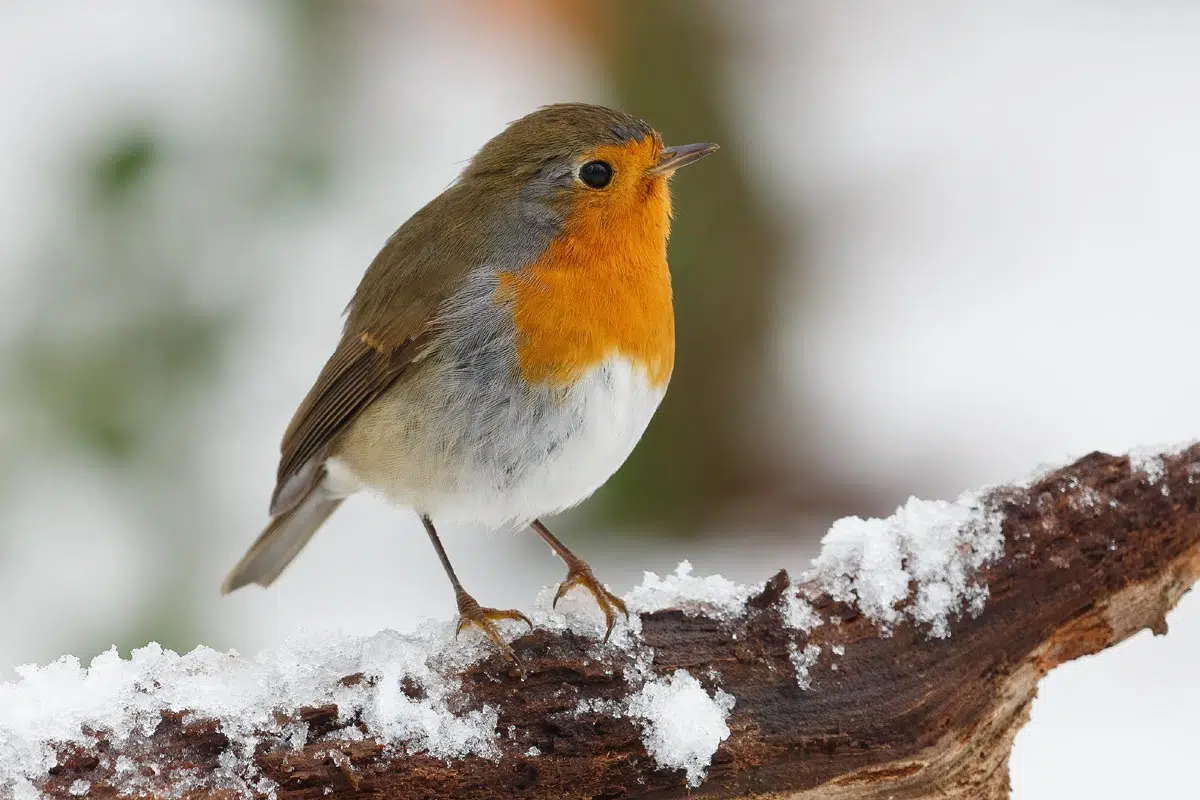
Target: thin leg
441, 551
470, 613
580, 574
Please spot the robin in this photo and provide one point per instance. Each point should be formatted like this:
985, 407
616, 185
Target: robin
503, 353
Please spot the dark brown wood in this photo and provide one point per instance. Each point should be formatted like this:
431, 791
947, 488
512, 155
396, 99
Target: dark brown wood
1093, 553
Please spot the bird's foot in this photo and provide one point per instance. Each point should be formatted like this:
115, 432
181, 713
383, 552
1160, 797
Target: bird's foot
472, 615
580, 574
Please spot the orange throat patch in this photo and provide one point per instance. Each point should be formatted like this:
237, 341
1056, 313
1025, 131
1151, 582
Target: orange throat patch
601, 289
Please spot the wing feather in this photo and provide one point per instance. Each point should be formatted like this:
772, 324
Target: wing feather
391, 323
355, 376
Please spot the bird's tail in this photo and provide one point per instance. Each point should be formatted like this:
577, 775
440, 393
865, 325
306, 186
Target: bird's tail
283, 539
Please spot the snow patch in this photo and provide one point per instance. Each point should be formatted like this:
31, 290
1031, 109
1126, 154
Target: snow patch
682, 724
798, 613
23, 790
920, 563
1149, 462
125, 698
803, 661
711, 596
599, 706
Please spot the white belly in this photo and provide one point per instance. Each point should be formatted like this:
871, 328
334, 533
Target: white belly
501, 458
600, 423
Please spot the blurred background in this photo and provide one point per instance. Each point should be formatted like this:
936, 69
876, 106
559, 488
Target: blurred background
944, 243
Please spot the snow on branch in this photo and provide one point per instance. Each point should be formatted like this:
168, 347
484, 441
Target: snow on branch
900, 666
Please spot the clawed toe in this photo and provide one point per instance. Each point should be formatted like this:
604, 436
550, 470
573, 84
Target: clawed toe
580, 574
472, 615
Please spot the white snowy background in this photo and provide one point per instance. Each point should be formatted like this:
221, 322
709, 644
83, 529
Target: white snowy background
1001, 220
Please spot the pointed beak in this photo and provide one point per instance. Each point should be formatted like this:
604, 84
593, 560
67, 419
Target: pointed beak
673, 158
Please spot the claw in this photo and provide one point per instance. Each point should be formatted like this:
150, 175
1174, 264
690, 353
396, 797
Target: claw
580, 574
472, 615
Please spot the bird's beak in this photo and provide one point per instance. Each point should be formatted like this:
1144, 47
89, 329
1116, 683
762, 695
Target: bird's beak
672, 158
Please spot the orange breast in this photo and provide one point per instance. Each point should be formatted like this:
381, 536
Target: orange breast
602, 288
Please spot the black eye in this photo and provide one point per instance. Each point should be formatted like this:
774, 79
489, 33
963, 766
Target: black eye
595, 174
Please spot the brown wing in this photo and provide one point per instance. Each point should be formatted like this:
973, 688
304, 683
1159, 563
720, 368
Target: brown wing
388, 327
356, 374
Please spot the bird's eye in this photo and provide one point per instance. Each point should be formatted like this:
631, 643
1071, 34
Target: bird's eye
596, 174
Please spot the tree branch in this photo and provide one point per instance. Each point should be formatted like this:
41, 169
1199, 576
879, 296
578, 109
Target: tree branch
1091, 554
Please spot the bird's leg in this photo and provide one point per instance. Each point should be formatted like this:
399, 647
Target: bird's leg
470, 613
580, 574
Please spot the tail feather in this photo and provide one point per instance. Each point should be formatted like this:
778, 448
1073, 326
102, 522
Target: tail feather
283, 539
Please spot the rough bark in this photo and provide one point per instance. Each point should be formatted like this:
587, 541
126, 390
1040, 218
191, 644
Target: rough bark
1093, 553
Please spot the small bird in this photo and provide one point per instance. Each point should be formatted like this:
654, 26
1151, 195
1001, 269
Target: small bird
503, 353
